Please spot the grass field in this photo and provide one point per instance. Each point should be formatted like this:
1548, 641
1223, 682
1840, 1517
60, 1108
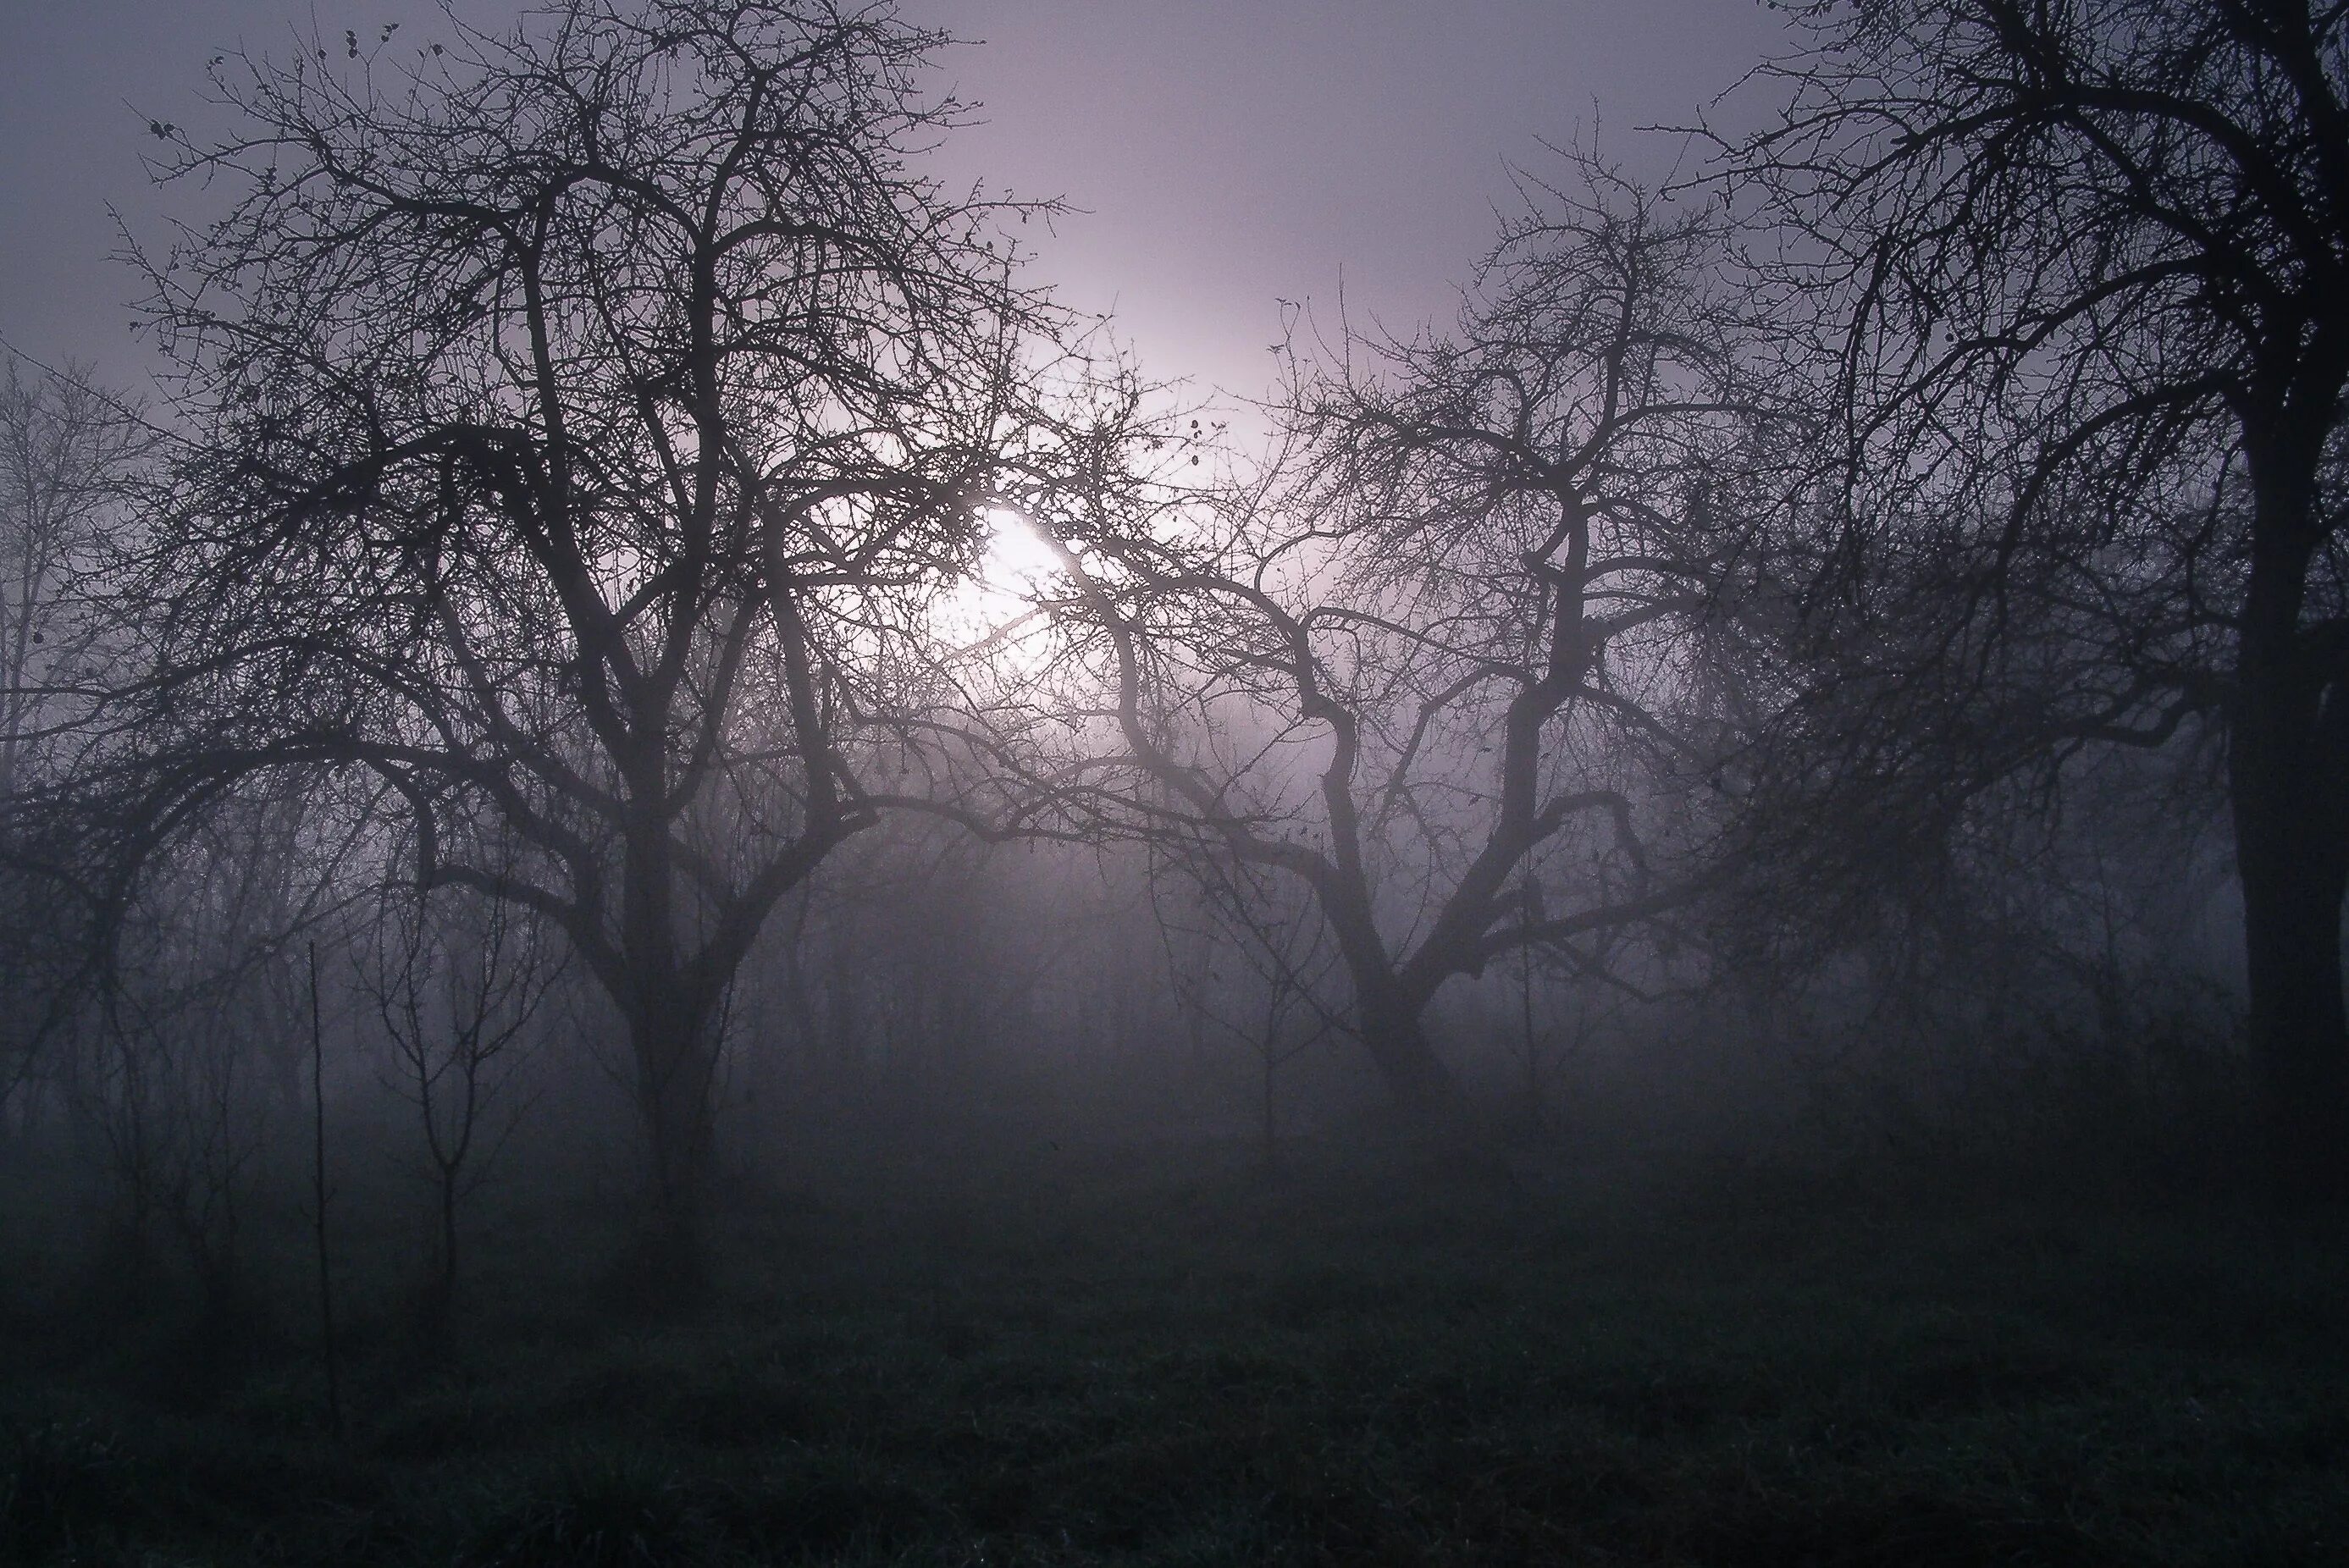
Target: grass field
1172, 1361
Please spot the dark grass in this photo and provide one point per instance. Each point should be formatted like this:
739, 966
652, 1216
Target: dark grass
1399, 1361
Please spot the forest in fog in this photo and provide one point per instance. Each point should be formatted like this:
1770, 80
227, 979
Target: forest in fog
639, 732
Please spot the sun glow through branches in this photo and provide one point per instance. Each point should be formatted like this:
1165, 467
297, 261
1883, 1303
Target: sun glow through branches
994, 609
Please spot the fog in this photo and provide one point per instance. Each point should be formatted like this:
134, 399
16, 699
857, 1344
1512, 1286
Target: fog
726, 838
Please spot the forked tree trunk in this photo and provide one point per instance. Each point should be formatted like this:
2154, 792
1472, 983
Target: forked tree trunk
1388, 1013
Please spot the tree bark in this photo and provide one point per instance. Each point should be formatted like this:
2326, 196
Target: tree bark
439, 1307
1271, 1117
1418, 1080
1387, 1010
2286, 748
676, 1064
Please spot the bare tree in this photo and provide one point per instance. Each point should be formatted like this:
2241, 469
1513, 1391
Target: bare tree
68, 456
2092, 262
169, 1076
583, 422
1279, 1007
1486, 592
457, 983
1547, 1036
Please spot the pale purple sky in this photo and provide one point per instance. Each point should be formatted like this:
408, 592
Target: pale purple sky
1227, 153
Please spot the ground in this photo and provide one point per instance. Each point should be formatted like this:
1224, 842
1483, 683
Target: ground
1165, 1359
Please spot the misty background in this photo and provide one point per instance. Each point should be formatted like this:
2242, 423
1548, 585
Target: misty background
1309, 782
1222, 157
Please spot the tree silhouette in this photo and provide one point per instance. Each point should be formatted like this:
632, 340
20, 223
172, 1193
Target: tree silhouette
70, 460
456, 988
1499, 576
2092, 265
69, 456
582, 420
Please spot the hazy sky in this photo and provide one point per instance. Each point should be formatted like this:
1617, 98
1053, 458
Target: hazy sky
1227, 153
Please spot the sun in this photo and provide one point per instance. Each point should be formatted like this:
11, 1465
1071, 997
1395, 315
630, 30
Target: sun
994, 608
1017, 555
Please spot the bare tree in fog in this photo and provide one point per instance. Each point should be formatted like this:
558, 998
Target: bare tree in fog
70, 455
1547, 1038
1279, 1006
1480, 622
172, 1076
456, 981
2093, 261
580, 424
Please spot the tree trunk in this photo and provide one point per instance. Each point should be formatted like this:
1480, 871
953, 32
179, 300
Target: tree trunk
669, 1035
2287, 845
676, 1066
2286, 778
439, 1305
844, 1030
1388, 1012
1527, 1040
1419, 1082
1271, 1114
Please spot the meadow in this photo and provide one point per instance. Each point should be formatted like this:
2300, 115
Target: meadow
1161, 1355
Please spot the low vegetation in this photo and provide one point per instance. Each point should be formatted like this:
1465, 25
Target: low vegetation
1411, 1357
